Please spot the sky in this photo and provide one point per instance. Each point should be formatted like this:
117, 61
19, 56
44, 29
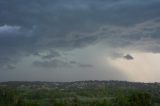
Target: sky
71, 40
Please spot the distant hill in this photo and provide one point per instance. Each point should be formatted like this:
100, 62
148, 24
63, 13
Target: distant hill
86, 92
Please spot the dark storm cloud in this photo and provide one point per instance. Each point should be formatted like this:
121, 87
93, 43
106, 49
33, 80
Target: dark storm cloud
128, 57
31, 27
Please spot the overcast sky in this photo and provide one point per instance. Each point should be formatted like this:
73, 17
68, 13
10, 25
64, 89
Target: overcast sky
70, 40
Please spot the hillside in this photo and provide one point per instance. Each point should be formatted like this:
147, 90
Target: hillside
99, 93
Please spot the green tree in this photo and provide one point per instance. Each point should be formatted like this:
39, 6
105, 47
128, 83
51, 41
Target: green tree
141, 99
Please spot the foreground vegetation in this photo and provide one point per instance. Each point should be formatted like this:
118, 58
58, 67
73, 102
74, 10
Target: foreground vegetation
88, 93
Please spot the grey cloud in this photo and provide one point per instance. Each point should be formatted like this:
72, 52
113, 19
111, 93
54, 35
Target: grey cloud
9, 29
50, 54
86, 65
11, 67
82, 65
65, 25
128, 57
73, 62
143, 36
7, 63
51, 63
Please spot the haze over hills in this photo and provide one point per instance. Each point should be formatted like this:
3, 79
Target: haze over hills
81, 84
